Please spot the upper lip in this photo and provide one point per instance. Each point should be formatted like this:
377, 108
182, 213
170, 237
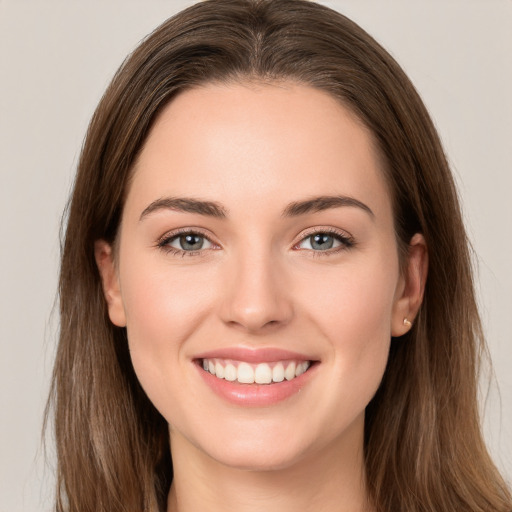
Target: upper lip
253, 355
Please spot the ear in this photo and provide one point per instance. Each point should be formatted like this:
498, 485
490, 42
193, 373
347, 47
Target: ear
411, 286
104, 256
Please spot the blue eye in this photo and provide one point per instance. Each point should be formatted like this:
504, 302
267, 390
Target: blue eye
186, 243
189, 242
324, 241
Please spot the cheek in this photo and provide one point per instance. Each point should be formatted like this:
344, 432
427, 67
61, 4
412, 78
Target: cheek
355, 299
163, 303
164, 308
355, 318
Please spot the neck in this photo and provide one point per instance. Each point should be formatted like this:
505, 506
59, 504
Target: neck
328, 480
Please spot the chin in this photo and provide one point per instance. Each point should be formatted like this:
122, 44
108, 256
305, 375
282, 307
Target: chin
248, 457
263, 445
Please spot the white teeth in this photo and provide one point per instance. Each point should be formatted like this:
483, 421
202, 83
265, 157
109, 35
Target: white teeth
219, 370
262, 373
278, 373
289, 373
230, 372
245, 373
301, 368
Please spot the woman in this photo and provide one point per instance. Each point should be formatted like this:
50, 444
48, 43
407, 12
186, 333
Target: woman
265, 276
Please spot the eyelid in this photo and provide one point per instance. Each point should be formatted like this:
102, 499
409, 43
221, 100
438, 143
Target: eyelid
164, 240
345, 236
346, 239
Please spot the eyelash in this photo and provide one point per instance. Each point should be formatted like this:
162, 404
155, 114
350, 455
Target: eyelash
164, 242
347, 242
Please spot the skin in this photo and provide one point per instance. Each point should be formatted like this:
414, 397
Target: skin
259, 282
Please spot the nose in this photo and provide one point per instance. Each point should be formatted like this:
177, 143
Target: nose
256, 297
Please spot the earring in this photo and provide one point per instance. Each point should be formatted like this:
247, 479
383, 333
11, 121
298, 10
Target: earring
407, 323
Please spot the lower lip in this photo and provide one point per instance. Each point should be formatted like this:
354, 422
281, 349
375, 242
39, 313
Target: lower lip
255, 395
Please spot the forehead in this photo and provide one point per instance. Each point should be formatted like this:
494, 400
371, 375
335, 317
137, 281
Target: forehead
236, 142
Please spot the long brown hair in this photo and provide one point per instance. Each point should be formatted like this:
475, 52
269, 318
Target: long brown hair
423, 446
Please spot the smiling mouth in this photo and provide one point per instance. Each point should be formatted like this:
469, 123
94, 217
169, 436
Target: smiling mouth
261, 373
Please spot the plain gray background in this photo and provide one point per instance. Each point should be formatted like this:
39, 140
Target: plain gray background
57, 57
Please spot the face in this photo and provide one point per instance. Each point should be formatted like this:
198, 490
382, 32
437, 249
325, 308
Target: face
257, 243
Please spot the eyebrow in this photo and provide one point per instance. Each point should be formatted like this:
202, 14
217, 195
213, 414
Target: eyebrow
214, 209
188, 205
318, 204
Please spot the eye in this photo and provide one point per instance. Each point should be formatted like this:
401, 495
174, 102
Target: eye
187, 243
323, 241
